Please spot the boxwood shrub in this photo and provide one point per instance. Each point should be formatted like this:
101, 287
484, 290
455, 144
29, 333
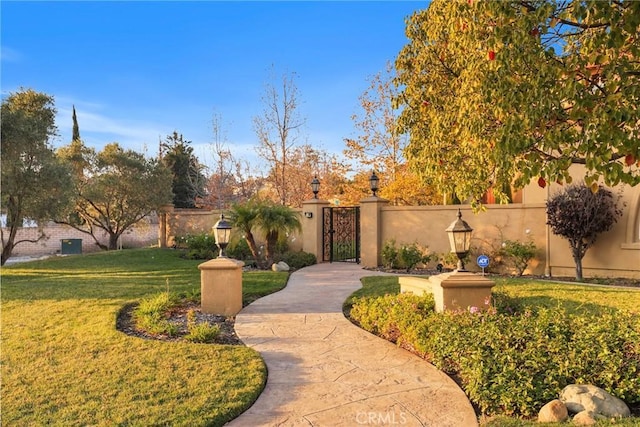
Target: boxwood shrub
508, 361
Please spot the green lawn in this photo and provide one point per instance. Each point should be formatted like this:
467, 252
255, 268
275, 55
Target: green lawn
64, 363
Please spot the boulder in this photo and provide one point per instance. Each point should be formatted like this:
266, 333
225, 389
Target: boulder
586, 418
583, 397
281, 266
553, 412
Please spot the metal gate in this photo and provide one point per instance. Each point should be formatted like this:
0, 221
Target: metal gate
341, 234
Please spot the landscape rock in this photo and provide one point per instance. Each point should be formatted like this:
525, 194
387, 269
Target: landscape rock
583, 397
553, 412
585, 418
281, 266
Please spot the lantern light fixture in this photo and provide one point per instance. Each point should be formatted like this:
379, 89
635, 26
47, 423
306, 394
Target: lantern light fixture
373, 183
460, 239
222, 233
315, 187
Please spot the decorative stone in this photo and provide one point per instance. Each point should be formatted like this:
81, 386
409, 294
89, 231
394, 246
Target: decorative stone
553, 412
281, 266
583, 397
585, 418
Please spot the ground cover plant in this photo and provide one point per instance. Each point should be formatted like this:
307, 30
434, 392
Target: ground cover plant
64, 362
516, 355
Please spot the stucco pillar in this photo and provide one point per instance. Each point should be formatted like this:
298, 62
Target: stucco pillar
371, 231
312, 239
162, 234
221, 286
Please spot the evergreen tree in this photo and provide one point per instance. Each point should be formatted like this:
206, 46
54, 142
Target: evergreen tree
188, 179
76, 129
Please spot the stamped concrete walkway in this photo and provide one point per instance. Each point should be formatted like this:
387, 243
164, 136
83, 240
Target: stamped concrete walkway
324, 371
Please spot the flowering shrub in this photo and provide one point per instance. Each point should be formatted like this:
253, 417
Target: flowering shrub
407, 256
513, 363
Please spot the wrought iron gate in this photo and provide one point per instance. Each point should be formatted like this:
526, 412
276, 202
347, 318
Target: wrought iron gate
341, 234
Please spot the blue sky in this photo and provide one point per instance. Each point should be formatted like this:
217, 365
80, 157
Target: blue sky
137, 71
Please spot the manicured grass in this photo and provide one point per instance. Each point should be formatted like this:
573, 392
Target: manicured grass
574, 298
64, 363
373, 286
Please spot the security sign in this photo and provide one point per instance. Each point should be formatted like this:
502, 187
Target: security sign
483, 261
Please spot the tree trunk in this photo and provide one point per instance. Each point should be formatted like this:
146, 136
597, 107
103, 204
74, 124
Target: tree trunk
578, 262
6, 252
253, 247
272, 241
113, 241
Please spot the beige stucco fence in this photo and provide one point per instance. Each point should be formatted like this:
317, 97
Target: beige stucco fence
615, 254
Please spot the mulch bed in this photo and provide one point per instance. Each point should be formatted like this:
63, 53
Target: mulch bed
178, 316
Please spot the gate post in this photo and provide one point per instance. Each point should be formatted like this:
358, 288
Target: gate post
164, 211
312, 239
371, 230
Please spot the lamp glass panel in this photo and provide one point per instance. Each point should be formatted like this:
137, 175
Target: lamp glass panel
222, 235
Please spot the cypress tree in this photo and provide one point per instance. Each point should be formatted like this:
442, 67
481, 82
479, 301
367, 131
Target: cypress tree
76, 130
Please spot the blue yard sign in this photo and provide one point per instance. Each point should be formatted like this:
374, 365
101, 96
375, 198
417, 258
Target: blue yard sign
483, 262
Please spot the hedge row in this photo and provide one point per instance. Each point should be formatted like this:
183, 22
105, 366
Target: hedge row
513, 364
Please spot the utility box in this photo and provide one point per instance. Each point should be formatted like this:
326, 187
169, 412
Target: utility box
71, 246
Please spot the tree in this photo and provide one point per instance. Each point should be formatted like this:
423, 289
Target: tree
495, 93
35, 183
380, 147
232, 180
306, 162
244, 218
272, 219
580, 215
278, 129
188, 181
117, 190
75, 136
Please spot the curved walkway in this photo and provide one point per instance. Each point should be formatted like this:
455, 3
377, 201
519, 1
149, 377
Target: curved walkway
324, 371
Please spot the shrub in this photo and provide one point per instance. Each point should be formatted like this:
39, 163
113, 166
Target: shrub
198, 246
450, 259
412, 255
390, 316
579, 213
239, 249
200, 332
389, 254
298, 260
514, 364
150, 315
519, 254
407, 257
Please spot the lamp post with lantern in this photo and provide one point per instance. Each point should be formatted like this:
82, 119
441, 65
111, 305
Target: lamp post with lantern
373, 183
222, 234
459, 289
221, 278
315, 187
460, 239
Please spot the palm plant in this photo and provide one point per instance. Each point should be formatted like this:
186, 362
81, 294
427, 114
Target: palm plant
273, 220
244, 218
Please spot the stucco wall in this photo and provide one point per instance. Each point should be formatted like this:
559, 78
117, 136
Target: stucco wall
426, 226
615, 253
181, 222
141, 236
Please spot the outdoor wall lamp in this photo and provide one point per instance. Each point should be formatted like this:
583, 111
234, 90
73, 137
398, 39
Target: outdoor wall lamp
222, 234
373, 183
460, 239
308, 214
315, 187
